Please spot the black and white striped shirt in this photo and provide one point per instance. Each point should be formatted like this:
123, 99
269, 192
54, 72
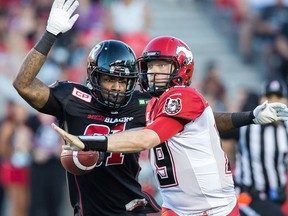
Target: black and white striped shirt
261, 158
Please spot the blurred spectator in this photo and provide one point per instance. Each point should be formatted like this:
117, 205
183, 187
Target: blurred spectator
249, 100
281, 49
15, 23
233, 16
267, 26
245, 27
92, 13
47, 173
255, 24
231, 9
270, 20
89, 28
129, 21
14, 150
6, 117
121, 14
213, 88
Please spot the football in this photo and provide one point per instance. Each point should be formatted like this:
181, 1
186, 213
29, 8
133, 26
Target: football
79, 162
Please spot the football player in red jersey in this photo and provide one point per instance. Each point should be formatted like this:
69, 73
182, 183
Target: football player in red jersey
108, 104
191, 169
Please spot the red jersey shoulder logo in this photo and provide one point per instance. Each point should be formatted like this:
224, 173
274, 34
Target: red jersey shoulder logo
173, 106
81, 95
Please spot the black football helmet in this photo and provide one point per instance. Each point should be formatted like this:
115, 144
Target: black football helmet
112, 58
172, 50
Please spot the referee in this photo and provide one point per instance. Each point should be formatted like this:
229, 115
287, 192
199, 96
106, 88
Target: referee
261, 161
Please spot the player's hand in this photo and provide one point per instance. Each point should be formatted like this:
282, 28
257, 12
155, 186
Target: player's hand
60, 19
66, 147
270, 112
72, 141
281, 111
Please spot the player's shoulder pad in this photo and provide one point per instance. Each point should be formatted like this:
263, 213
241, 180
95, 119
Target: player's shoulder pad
65, 84
66, 88
182, 101
184, 92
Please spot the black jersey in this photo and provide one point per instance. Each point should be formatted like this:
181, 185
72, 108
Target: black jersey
112, 187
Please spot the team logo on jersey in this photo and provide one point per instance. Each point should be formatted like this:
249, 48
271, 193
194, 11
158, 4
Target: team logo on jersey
82, 95
143, 101
173, 106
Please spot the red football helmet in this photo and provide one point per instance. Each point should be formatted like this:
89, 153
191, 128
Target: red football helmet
168, 49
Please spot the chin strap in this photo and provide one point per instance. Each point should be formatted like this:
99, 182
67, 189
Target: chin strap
95, 143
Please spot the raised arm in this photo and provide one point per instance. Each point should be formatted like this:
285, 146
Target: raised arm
31, 89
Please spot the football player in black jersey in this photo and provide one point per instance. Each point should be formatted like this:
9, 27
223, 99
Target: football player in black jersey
108, 104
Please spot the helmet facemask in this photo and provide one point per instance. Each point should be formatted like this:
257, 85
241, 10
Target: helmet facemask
113, 99
156, 87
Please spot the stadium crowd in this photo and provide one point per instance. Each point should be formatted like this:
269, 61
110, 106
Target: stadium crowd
258, 29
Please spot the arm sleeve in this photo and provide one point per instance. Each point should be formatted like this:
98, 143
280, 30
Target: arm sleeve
166, 127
